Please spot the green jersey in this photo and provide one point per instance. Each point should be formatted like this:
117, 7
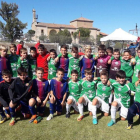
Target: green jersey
103, 91
127, 67
52, 69
13, 59
121, 92
75, 89
32, 67
88, 89
136, 70
137, 94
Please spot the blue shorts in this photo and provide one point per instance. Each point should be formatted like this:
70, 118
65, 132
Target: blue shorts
24, 107
65, 76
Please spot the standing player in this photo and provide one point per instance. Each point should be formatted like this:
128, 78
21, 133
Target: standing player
4, 96
32, 63
19, 47
109, 51
74, 93
42, 60
58, 92
13, 60
103, 93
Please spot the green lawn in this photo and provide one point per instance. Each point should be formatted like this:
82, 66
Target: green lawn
61, 128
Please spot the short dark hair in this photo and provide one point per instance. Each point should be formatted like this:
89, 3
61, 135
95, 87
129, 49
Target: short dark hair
60, 69
116, 50
138, 48
13, 46
23, 50
104, 72
6, 73
39, 69
53, 51
102, 47
32, 49
120, 74
64, 46
110, 48
128, 51
21, 42
21, 70
88, 71
41, 46
74, 72
74, 49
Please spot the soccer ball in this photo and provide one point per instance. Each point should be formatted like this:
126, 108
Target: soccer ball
133, 61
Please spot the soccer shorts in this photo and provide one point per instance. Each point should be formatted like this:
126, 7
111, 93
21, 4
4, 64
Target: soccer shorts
24, 107
103, 105
65, 76
87, 102
123, 110
73, 103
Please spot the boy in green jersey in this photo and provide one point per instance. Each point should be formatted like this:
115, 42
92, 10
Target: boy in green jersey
103, 93
13, 60
122, 90
52, 66
137, 66
88, 93
32, 62
22, 60
135, 108
74, 93
126, 64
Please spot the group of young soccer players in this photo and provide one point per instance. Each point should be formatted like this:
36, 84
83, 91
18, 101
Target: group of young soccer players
103, 81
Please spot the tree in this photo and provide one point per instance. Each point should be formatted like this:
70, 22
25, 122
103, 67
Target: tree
31, 33
12, 26
43, 37
98, 39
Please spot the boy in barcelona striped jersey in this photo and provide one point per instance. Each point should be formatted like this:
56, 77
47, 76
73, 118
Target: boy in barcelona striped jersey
74, 93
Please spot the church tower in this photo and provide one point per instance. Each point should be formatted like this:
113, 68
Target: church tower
34, 16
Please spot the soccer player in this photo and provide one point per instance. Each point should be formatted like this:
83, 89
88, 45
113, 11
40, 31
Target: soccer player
87, 61
58, 92
103, 93
42, 60
88, 93
3, 60
20, 94
101, 60
63, 61
137, 66
115, 64
135, 108
13, 60
19, 47
32, 63
23, 61
121, 96
41, 89
109, 51
52, 65
74, 93
126, 64
4, 96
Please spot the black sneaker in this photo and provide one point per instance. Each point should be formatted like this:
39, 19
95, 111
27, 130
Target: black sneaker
3, 119
68, 115
129, 126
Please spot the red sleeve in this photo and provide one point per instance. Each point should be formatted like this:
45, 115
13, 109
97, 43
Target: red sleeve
18, 49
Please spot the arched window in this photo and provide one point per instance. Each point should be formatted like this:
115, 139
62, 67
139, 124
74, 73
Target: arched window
42, 32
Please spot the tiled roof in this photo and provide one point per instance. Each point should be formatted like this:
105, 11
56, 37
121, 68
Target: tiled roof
104, 34
82, 19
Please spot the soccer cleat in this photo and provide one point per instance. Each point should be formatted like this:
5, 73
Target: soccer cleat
94, 121
27, 116
12, 122
49, 117
129, 126
3, 119
32, 118
80, 117
111, 123
68, 115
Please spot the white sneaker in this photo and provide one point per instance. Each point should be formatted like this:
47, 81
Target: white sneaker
49, 117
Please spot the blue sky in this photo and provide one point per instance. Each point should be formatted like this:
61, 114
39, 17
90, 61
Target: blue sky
106, 14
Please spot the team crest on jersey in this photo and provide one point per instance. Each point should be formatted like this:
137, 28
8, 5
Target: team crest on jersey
101, 61
27, 84
88, 86
43, 84
72, 87
104, 88
61, 85
119, 89
90, 60
116, 63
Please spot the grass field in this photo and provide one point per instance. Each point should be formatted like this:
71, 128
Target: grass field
61, 128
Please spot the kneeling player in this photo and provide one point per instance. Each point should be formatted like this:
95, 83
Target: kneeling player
135, 108
58, 93
74, 90
102, 96
121, 96
41, 90
88, 93
19, 92
4, 96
